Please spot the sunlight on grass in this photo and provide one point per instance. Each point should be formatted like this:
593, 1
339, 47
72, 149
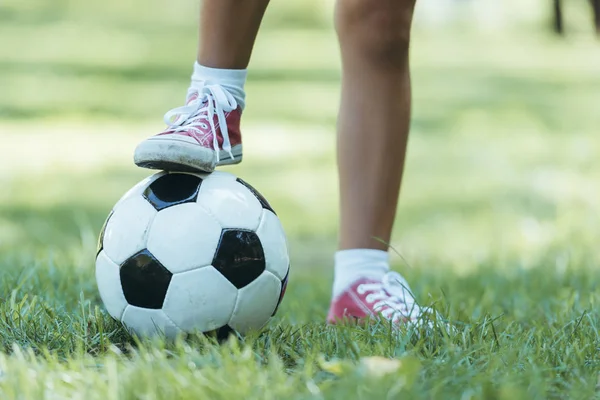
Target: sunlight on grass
485, 196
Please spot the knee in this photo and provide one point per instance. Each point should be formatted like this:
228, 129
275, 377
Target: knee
376, 29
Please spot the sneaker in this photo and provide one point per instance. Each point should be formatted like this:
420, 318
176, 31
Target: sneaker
200, 136
389, 298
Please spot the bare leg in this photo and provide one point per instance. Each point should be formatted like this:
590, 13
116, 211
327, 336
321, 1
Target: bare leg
228, 29
374, 117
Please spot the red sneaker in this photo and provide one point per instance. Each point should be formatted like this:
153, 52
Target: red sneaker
200, 136
367, 298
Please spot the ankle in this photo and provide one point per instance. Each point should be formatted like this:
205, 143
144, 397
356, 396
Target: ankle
233, 80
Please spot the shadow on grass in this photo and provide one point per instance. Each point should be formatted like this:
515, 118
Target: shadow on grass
440, 105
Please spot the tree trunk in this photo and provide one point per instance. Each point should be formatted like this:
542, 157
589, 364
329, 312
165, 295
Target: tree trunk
596, 11
558, 17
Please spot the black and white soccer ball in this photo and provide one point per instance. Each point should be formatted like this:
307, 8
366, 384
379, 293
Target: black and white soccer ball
183, 252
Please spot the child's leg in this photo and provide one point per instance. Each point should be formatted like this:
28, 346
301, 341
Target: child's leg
205, 133
228, 29
372, 135
374, 116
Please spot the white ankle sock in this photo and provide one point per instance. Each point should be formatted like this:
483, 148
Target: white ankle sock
353, 264
231, 79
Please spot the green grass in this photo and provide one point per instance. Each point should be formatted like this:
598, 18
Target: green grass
498, 221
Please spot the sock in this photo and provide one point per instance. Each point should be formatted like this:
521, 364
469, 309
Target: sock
353, 264
231, 79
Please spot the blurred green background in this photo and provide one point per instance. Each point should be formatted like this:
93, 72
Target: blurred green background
502, 158
498, 216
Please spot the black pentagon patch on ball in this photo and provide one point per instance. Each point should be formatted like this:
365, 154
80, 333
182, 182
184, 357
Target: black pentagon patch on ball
240, 257
223, 333
284, 283
173, 189
263, 202
145, 281
101, 236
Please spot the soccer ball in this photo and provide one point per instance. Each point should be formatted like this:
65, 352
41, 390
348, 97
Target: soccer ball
185, 252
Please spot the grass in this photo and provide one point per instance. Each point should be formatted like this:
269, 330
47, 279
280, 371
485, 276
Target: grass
498, 221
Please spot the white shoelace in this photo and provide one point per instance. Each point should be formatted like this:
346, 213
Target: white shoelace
391, 297
200, 113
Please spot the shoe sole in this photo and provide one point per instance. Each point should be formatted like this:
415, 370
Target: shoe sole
182, 154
